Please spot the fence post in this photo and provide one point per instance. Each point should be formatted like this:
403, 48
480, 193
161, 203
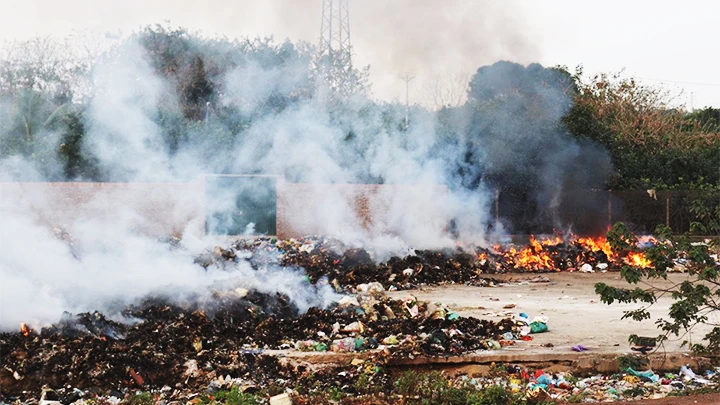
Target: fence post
609, 209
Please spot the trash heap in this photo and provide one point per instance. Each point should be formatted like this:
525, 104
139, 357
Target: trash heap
629, 384
372, 380
346, 267
167, 344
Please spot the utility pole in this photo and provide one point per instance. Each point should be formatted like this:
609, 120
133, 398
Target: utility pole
407, 77
692, 107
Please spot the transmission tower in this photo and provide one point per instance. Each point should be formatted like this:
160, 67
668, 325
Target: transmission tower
334, 51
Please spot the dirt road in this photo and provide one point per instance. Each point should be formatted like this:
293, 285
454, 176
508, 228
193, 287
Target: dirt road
576, 315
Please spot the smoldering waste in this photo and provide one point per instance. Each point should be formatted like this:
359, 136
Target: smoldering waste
168, 344
346, 267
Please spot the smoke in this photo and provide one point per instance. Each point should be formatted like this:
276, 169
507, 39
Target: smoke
113, 261
518, 145
428, 38
121, 131
111, 267
316, 149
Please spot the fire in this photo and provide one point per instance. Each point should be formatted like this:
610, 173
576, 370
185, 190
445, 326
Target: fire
552, 254
24, 329
596, 245
533, 257
638, 260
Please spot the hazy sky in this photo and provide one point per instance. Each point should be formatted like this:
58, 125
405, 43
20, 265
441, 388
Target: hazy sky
662, 40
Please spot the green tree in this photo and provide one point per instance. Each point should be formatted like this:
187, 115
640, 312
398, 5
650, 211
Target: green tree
652, 143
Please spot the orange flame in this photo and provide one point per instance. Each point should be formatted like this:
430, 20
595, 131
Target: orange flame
638, 260
24, 329
541, 254
533, 257
597, 245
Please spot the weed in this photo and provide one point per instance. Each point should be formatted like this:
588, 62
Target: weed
494, 395
235, 397
634, 392
142, 398
636, 362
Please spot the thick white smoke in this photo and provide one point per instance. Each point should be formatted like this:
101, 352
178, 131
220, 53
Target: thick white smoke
113, 261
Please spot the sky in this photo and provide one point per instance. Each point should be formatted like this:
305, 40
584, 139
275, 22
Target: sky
663, 43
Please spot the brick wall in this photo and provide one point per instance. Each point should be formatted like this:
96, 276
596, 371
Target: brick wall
152, 208
161, 209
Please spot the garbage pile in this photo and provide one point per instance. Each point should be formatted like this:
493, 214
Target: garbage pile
346, 267
166, 344
629, 384
372, 380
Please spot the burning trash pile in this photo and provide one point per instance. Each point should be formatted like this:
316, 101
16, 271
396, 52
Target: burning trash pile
166, 344
345, 268
225, 335
327, 259
567, 254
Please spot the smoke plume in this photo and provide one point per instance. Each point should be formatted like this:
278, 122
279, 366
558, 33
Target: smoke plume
264, 117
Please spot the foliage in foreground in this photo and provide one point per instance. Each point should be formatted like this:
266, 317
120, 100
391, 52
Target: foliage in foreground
695, 299
420, 388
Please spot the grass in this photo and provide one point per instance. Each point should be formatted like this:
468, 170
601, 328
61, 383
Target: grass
141, 398
235, 397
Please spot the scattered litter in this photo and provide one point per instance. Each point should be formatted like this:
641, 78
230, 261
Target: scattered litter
587, 268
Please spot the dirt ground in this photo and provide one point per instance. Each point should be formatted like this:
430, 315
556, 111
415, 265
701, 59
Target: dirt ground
705, 399
576, 315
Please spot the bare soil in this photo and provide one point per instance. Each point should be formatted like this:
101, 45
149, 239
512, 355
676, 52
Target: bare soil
576, 315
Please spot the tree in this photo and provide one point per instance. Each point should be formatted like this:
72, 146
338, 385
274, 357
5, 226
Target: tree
337, 78
652, 144
694, 299
446, 90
